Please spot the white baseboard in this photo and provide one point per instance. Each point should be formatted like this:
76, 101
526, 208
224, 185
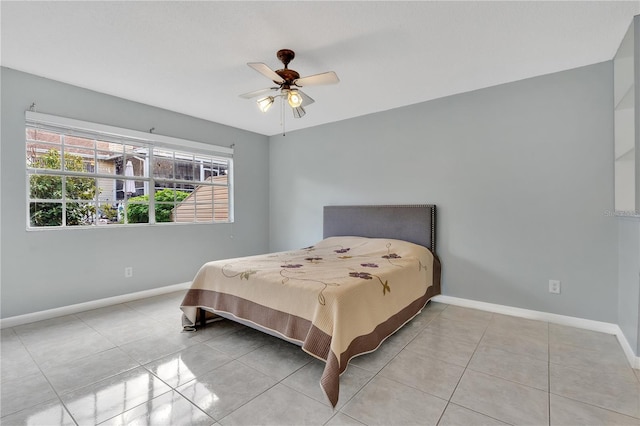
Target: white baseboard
603, 327
86, 306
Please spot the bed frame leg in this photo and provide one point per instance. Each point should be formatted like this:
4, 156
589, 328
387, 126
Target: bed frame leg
201, 318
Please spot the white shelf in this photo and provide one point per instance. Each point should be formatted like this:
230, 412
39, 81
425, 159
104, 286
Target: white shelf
623, 78
628, 155
626, 139
628, 99
624, 128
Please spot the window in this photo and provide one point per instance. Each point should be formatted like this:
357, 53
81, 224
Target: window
84, 174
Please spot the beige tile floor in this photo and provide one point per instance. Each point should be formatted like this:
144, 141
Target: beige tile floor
131, 364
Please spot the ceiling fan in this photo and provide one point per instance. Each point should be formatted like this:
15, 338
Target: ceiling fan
288, 83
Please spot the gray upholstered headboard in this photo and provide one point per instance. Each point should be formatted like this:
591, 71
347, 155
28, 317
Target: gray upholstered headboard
413, 223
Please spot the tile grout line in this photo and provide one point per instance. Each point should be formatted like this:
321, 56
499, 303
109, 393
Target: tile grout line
378, 372
171, 389
57, 393
387, 363
598, 407
464, 371
48, 382
498, 377
568, 397
278, 382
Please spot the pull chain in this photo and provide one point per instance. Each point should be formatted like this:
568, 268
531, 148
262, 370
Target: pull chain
282, 117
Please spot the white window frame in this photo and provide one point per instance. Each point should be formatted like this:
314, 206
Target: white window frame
127, 137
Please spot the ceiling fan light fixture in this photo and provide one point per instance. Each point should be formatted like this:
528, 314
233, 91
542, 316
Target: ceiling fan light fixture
294, 98
265, 103
299, 112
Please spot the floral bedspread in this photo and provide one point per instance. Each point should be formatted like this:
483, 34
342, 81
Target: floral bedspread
338, 299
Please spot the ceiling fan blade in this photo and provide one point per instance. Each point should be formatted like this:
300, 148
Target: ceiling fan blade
306, 99
266, 71
317, 79
257, 93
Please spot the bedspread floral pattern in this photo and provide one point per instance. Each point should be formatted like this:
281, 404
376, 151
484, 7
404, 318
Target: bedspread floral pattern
292, 267
368, 276
244, 275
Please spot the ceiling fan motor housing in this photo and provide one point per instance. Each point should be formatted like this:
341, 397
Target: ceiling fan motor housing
288, 76
285, 56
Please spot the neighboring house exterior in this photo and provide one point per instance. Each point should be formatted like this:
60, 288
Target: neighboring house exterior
205, 203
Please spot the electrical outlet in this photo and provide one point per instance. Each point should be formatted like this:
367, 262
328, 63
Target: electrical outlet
554, 286
128, 272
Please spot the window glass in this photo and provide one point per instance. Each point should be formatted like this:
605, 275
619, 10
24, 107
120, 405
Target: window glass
45, 187
82, 179
45, 214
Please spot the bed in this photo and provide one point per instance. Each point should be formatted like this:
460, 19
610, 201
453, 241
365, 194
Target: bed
374, 270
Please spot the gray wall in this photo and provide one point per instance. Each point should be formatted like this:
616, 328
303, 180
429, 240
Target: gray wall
47, 269
522, 174
629, 280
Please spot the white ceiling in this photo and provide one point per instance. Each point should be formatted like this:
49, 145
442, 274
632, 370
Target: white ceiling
190, 56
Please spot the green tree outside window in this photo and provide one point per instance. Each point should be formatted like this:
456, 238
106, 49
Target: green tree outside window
139, 213
50, 187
